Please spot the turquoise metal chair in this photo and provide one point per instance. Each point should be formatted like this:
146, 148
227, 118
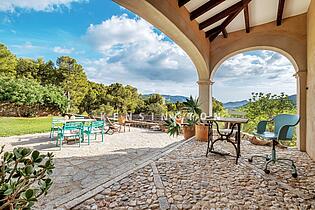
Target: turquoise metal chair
55, 124
95, 127
283, 130
70, 130
79, 117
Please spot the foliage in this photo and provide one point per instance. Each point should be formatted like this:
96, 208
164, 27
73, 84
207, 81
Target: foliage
192, 113
11, 126
94, 98
154, 103
27, 68
29, 92
8, 62
265, 106
192, 105
156, 108
124, 99
24, 177
173, 128
37, 81
73, 80
105, 108
218, 109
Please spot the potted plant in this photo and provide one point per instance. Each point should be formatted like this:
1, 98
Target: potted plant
189, 127
172, 126
192, 125
193, 107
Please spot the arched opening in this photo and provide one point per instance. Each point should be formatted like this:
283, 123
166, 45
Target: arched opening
261, 70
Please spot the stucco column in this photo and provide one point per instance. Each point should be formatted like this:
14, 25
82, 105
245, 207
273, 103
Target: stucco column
205, 96
301, 106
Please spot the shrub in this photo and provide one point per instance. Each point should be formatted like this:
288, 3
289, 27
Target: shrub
24, 177
29, 92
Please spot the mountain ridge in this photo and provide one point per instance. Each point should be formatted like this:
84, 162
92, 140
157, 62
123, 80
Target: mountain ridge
227, 105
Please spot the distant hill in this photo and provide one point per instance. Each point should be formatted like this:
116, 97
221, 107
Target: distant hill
293, 99
169, 98
174, 99
234, 104
238, 104
227, 105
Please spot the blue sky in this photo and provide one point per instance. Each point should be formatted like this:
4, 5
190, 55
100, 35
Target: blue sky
114, 45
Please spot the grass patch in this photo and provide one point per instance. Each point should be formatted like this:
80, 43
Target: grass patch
11, 126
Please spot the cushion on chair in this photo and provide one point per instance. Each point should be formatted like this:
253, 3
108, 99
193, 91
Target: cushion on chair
266, 135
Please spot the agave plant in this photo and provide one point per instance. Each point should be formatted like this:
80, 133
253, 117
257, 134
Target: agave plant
173, 128
193, 106
24, 177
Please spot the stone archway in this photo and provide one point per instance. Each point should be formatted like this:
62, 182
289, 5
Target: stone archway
289, 39
301, 87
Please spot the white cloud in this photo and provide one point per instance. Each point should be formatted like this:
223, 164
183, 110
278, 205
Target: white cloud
133, 52
62, 50
254, 71
36, 5
26, 46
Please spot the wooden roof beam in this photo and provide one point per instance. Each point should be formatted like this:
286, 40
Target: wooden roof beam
280, 12
246, 15
204, 8
182, 2
231, 10
225, 33
217, 30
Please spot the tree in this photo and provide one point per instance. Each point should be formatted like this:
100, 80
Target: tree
95, 97
73, 80
155, 98
218, 109
47, 72
265, 106
27, 68
155, 103
123, 98
8, 61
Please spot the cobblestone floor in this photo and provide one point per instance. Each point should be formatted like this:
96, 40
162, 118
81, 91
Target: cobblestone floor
186, 179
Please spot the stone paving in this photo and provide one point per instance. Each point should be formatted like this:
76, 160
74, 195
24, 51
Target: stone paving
186, 179
79, 170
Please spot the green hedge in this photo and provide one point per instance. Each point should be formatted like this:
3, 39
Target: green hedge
29, 92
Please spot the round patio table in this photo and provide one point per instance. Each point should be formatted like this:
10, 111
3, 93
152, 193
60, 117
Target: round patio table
235, 127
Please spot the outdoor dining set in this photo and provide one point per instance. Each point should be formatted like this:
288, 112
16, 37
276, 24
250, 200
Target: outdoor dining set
75, 129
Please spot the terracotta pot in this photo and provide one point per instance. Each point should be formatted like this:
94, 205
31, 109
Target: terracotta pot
201, 132
179, 120
121, 120
189, 131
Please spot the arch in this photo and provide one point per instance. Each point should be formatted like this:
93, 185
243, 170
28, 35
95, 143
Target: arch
300, 85
274, 49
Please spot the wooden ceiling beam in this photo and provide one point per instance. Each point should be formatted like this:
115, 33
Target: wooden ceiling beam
231, 10
213, 31
246, 15
182, 2
280, 12
225, 33
204, 8
225, 23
